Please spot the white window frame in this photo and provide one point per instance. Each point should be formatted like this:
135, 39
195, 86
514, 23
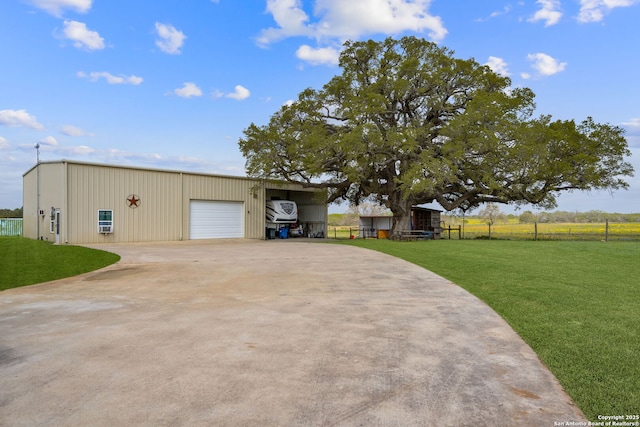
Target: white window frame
105, 226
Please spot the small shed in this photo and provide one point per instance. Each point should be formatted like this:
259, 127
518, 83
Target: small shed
372, 226
426, 219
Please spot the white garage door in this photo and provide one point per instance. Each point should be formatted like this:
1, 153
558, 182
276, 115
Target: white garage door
216, 220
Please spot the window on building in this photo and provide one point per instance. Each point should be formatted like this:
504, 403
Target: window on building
105, 221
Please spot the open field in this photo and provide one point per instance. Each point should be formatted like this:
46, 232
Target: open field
556, 231
575, 303
26, 261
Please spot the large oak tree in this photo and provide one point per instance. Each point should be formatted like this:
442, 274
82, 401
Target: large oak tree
407, 123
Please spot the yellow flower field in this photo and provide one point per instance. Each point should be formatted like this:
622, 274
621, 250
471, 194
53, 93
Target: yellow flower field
556, 231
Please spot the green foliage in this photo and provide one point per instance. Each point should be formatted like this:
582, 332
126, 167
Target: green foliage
407, 123
336, 220
574, 303
527, 217
26, 261
11, 213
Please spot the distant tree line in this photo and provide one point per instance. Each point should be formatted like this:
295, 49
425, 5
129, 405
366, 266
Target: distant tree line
11, 213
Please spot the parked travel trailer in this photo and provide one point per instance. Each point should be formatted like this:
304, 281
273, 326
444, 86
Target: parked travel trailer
282, 212
282, 219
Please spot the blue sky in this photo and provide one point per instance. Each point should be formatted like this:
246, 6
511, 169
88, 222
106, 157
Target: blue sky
172, 84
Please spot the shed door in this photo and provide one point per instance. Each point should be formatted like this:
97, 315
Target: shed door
216, 219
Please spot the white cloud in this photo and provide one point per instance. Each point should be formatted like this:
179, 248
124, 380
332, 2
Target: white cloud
633, 123
188, 90
55, 7
171, 40
318, 56
110, 78
496, 14
126, 156
498, 65
504, 11
550, 12
240, 93
70, 130
82, 150
50, 145
339, 20
594, 10
291, 20
82, 36
49, 141
546, 65
3, 143
633, 133
15, 118
351, 19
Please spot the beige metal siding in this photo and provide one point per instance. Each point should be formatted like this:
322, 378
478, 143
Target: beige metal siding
29, 202
80, 189
94, 187
232, 189
51, 184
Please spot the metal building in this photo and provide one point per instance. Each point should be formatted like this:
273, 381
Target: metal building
73, 202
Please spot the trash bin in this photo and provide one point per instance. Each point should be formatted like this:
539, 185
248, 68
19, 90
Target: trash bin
383, 234
271, 233
284, 233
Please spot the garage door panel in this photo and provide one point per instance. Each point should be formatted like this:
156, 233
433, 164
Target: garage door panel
216, 219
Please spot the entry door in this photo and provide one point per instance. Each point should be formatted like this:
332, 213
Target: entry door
216, 219
57, 226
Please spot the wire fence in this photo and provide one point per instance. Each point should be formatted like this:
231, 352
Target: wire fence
606, 231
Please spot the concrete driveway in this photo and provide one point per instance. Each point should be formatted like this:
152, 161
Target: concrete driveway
264, 333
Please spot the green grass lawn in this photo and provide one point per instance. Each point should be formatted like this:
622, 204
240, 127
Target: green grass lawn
26, 261
577, 304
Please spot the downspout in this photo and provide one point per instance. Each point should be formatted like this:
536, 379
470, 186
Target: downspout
37, 191
182, 206
65, 202
263, 201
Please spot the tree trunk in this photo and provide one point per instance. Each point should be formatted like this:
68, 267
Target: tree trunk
401, 210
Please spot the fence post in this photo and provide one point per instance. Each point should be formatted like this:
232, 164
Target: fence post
606, 230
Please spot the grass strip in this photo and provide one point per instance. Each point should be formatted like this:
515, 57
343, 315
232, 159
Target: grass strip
26, 261
575, 303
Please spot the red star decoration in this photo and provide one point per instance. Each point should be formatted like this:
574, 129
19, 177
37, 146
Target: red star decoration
133, 201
